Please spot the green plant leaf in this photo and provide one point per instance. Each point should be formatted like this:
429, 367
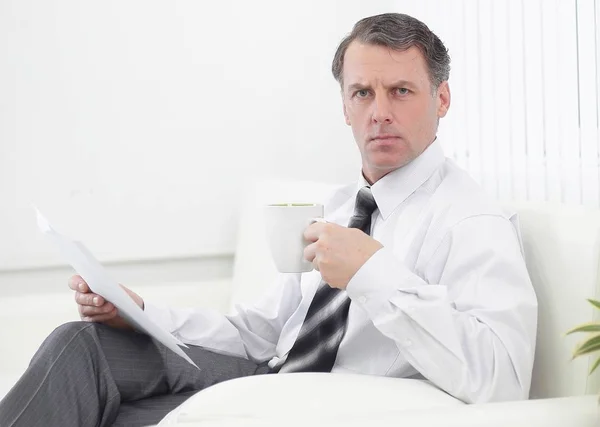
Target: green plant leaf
587, 350
589, 346
594, 303
586, 327
594, 366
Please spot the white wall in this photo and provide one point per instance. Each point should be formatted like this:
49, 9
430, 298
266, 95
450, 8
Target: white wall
135, 125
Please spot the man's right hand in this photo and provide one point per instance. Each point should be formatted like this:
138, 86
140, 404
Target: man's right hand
93, 308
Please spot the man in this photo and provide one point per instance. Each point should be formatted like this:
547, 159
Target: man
421, 275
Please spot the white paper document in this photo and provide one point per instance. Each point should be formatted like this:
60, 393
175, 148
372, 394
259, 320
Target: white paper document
99, 281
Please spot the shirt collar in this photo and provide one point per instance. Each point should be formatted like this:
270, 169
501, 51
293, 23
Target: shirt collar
396, 186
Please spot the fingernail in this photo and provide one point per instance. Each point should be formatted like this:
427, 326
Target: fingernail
95, 300
81, 287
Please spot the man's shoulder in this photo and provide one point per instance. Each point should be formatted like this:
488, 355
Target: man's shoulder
457, 196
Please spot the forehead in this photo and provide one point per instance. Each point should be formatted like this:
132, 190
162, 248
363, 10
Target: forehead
367, 63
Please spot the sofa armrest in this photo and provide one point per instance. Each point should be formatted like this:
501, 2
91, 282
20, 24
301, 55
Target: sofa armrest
308, 396
356, 400
580, 411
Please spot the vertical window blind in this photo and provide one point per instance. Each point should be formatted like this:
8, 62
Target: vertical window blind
525, 85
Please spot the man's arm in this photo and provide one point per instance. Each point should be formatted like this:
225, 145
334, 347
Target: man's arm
468, 322
251, 332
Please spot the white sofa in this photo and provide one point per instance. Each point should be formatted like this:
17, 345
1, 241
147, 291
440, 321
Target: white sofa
562, 247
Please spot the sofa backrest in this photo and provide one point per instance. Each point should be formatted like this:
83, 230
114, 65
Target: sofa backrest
562, 250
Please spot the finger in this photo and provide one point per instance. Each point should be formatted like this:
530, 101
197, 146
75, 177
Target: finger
310, 252
314, 230
101, 317
78, 284
89, 299
315, 263
87, 310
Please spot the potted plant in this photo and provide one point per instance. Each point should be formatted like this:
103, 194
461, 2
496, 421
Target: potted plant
592, 342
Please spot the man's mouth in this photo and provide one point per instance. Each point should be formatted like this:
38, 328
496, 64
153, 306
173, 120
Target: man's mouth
384, 137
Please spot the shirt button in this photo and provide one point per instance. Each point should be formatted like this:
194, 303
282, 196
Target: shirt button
408, 343
362, 299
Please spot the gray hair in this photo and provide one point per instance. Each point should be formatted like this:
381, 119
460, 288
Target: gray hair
399, 32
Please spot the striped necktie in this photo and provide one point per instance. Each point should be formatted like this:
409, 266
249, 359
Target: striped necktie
324, 326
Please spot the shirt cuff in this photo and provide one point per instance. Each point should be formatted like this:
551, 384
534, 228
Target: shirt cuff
159, 315
379, 278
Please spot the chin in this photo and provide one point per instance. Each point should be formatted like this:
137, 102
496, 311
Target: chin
389, 155
385, 163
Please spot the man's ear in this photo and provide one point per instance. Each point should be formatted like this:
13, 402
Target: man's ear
346, 118
443, 99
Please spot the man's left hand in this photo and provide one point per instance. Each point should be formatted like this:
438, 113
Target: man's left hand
338, 252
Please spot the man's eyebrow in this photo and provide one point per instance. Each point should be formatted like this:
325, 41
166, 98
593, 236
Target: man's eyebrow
397, 83
357, 86
402, 83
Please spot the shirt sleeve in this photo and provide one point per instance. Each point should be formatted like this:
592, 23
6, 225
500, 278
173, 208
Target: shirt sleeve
251, 332
468, 321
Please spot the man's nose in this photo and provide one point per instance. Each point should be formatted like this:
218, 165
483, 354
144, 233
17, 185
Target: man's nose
382, 110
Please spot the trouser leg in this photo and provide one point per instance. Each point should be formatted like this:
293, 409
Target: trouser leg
83, 372
183, 381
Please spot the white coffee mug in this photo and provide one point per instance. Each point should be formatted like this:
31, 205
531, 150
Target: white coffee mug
285, 223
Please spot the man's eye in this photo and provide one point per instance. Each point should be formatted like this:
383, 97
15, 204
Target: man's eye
402, 91
363, 93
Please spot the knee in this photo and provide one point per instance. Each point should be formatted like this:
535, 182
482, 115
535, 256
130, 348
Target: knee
68, 334
72, 343
70, 330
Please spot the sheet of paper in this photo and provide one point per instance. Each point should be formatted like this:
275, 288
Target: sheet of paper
99, 281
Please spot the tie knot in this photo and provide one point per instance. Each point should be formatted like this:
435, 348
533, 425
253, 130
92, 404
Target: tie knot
363, 209
365, 202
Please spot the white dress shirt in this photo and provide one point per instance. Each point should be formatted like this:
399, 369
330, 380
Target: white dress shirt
447, 297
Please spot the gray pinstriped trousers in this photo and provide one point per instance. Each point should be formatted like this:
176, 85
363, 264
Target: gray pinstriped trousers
87, 374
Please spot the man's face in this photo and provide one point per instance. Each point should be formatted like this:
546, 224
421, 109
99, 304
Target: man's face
390, 104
